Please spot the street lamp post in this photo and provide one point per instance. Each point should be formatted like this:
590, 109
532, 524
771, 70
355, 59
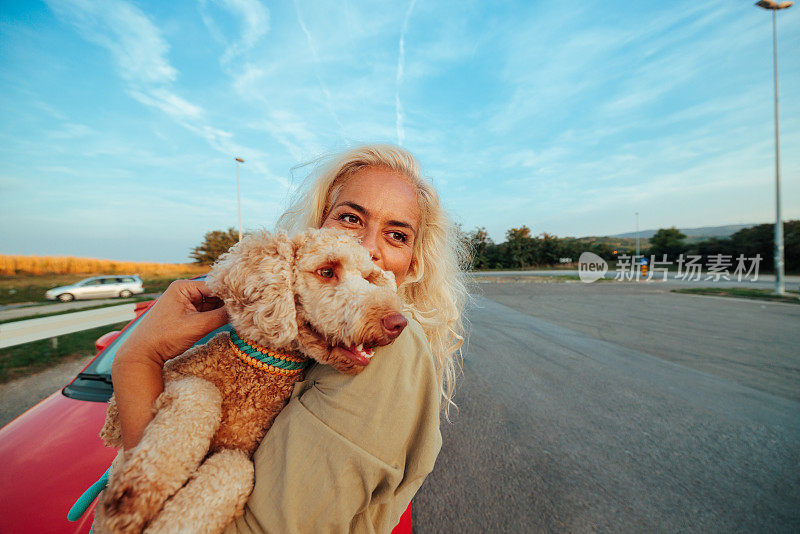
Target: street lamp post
239, 196
637, 237
780, 287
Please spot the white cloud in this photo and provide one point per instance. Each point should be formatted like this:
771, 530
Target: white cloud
140, 55
136, 45
168, 102
71, 131
401, 59
313, 48
254, 21
138, 49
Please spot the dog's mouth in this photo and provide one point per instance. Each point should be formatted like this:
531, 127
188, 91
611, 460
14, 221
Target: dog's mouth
357, 353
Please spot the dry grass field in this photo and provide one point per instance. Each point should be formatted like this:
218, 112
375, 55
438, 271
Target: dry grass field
28, 265
26, 278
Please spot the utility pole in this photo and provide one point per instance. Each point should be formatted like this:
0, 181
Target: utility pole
780, 285
637, 237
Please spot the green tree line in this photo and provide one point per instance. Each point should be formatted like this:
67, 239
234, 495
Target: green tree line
523, 250
759, 239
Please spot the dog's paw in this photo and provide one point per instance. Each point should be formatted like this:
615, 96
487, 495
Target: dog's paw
129, 502
117, 511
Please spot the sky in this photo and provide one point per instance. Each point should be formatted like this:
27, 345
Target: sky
120, 120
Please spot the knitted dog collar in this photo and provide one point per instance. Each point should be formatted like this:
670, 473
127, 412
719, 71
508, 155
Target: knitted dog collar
274, 362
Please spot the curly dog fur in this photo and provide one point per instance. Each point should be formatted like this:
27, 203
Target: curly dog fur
191, 471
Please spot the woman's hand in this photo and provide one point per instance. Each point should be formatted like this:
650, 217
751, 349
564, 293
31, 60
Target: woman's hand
183, 314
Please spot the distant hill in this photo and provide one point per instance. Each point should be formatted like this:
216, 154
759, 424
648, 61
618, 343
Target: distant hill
692, 234
627, 241
617, 243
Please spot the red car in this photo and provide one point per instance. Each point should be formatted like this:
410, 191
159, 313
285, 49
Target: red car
52, 453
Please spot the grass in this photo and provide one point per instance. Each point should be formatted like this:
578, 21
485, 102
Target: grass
31, 288
739, 292
23, 360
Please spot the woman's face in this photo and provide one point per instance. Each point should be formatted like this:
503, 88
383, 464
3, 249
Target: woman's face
379, 206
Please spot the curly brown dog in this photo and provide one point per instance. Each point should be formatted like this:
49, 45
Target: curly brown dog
316, 296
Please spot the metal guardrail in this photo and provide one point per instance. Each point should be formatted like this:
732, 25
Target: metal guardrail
19, 332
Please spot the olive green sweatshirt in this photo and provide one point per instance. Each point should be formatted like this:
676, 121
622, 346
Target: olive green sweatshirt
348, 453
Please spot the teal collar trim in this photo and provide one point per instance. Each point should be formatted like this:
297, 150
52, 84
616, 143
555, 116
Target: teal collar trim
271, 358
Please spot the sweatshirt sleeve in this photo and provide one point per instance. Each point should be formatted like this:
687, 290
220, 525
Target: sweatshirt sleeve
348, 453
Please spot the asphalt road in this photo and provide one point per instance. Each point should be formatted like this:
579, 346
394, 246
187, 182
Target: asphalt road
621, 408
607, 407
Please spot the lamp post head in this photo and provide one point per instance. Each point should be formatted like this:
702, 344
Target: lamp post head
773, 5
240, 160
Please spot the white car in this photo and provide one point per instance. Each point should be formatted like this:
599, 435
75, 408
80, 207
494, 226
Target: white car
122, 286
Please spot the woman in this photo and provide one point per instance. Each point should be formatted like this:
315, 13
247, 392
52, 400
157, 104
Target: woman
348, 452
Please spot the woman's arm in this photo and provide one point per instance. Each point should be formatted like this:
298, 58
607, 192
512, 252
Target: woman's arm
183, 314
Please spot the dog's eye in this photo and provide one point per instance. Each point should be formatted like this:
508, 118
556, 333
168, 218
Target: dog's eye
325, 272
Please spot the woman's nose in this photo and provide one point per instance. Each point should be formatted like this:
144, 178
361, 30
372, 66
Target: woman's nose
370, 242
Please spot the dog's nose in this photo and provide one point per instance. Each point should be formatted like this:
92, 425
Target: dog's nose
393, 324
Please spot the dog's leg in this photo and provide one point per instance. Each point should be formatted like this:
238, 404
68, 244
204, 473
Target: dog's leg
111, 433
173, 444
211, 499
100, 520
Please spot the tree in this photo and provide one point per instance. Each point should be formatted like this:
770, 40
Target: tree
521, 248
214, 245
518, 234
479, 243
549, 249
667, 241
760, 239
791, 247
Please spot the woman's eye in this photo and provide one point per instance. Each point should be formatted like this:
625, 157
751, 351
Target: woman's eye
399, 236
349, 218
325, 272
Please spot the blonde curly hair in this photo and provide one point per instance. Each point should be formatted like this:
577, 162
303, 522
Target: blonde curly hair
434, 290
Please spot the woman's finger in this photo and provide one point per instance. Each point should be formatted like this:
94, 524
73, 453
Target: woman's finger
204, 322
195, 290
195, 295
215, 318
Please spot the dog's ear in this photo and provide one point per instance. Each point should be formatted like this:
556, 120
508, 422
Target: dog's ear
255, 280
